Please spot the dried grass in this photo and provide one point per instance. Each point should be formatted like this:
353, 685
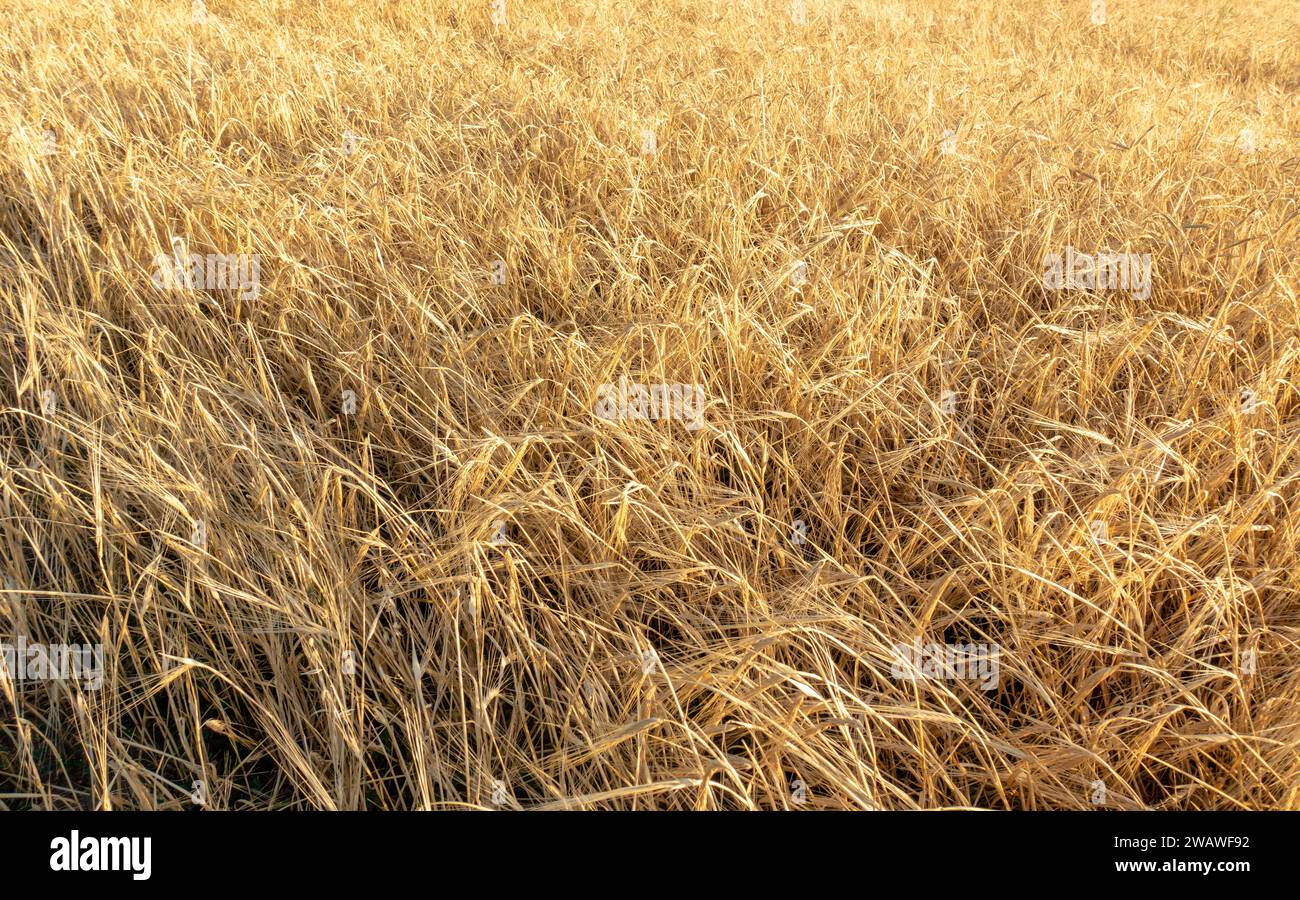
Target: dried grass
526, 663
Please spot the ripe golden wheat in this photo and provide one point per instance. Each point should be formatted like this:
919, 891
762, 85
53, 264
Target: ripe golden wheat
443, 589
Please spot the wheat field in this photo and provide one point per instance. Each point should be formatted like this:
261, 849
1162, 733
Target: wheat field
310, 318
